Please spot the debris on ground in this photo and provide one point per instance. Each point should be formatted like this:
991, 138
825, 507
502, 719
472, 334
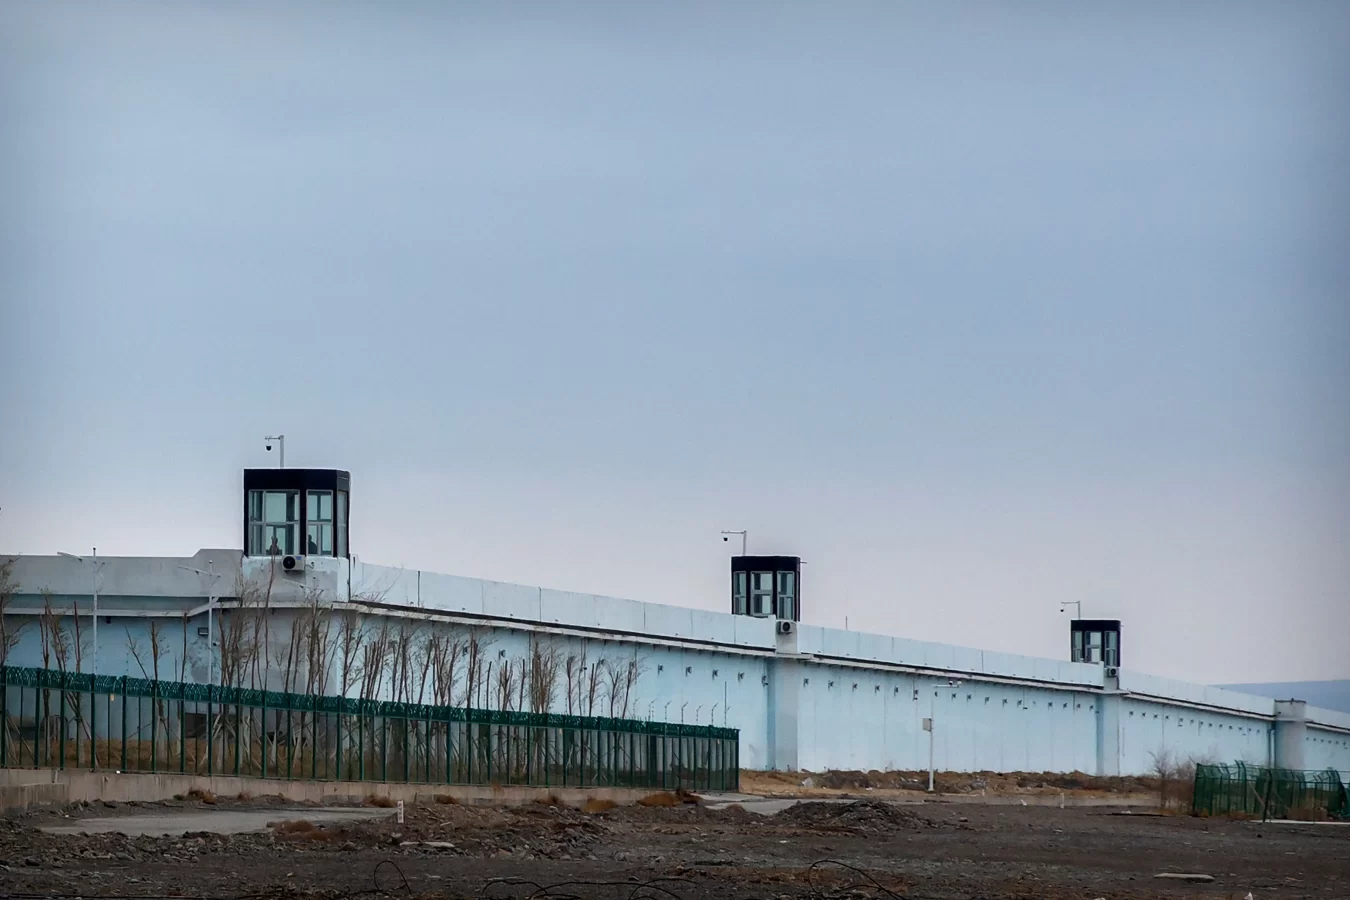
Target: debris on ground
862, 850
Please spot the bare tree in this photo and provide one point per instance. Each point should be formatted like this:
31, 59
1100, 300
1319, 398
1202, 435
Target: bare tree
239, 634
474, 650
50, 634
10, 633
350, 637
55, 649
620, 678
375, 653
545, 660
573, 667
1172, 774
594, 677
157, 650
507, 675
444, 653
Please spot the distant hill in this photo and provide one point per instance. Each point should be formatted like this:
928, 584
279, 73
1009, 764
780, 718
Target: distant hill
1326, 694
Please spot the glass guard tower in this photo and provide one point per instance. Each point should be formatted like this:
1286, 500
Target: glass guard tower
767, 586
294, 513
1095, 641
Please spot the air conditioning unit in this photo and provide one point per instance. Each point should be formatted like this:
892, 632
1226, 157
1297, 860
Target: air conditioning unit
786, 626
293, 565
1112, 671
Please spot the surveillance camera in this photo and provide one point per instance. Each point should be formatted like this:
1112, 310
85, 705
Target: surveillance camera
269, 447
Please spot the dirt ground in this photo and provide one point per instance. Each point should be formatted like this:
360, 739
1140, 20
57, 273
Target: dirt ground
836, 783
942, 851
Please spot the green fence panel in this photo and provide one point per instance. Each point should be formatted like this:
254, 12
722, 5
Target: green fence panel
50, 718
1246, 791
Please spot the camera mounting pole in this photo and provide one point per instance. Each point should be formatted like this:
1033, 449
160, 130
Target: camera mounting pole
281, 446
743, 539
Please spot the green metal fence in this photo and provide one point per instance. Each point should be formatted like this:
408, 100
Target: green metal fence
66, 720
1268, 793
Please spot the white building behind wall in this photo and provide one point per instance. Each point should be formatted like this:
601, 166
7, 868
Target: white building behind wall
803, 697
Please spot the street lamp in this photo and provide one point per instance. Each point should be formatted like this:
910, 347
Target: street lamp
93, 668
726, 536
212, 574
281, 446
1076, 604
928, 726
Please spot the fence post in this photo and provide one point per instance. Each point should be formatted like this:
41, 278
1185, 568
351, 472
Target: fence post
210, 729
93, 722
4, 716
124, 723
238, 728
154, 726
337, 751
290, 735
314, 738
263, 742
61, 726
182, 733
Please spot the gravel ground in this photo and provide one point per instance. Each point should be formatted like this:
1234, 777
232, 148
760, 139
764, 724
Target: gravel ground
942, 852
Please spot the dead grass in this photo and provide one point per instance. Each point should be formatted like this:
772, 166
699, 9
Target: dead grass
595, 805
662, 798
550, 800
303, 830
1307, 814
447, 799
243, 796
381, 802
294, 826
202, 796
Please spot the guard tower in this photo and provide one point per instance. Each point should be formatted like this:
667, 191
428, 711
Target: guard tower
767, 586
294, 513
1095, 641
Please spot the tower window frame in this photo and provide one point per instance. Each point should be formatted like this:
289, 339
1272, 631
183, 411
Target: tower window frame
274, 522
761, 594
319, 523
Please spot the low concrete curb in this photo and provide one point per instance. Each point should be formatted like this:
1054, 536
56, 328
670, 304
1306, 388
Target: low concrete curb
25, 789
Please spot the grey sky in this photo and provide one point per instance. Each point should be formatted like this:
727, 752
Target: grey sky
977, 308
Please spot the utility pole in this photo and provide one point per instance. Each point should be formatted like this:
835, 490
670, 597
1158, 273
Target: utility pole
96, 566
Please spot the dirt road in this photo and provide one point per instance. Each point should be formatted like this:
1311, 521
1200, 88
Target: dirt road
924, 852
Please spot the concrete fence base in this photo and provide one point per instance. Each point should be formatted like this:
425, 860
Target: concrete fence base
25, 789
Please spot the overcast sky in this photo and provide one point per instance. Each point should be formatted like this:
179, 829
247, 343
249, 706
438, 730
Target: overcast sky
977, 308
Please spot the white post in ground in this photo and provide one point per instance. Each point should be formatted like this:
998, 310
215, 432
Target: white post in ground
928, 727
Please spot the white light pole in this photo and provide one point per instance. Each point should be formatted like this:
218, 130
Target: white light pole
930, 727
281, 446
1076, 604
212, 574
726, 536
93, 667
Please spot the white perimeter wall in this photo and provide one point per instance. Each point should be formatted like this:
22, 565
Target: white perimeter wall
820, 698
